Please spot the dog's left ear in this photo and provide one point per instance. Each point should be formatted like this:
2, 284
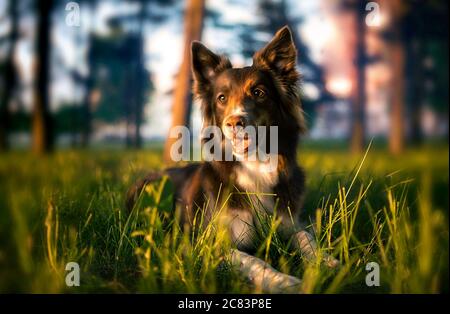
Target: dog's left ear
205, 66
279, 55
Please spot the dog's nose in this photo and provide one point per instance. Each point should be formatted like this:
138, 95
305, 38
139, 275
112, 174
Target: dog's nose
235, 121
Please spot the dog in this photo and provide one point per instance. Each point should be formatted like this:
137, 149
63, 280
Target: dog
267, 94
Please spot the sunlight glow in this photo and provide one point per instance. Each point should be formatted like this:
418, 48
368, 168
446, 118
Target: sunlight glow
340, 86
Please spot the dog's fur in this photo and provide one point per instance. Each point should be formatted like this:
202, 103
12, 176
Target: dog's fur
264, 94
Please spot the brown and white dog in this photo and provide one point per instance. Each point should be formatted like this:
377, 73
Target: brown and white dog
264, 94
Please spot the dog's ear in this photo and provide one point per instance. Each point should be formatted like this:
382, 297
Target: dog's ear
279, 55
205, 66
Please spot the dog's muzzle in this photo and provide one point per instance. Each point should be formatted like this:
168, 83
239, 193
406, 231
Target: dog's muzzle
236, 129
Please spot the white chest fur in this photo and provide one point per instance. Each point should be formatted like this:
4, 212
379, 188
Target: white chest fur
258, 180
257, 176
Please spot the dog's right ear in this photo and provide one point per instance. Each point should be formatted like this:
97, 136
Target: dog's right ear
205, 66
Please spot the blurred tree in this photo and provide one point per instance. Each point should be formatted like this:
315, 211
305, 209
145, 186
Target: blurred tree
140, 99
396, 9
69, 120
182, 98
42, 137
103, 84
426, 47
87, 82
114, 75
359, 81
9, 78
416, 45
20, 121
360, 61
119, 85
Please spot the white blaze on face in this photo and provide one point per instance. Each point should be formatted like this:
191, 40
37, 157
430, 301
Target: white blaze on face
244, 143
242, 138
257, 176
227, 131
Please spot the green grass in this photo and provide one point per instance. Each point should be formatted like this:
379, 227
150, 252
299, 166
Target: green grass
69, 207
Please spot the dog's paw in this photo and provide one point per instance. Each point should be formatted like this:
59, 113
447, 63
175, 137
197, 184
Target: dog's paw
330, 261
311, 251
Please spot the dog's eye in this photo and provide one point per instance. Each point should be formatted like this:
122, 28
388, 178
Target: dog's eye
221, 98
257, 92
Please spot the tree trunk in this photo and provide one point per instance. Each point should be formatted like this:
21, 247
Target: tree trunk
42, 141
193, 24
86, 113
10, 79
359, 82
140, 72
139, 108
414, 64
88, 82
130, 103
396, 136
86, 105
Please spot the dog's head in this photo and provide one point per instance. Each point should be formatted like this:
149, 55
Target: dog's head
264, 94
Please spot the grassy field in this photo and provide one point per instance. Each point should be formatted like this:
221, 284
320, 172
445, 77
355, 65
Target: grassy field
68, 207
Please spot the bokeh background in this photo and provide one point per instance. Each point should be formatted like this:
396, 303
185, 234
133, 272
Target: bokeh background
90, 89
89, 73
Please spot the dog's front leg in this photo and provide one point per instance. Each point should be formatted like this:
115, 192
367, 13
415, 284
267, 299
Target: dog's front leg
305, 242
263, 276
307, 245
259, 273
